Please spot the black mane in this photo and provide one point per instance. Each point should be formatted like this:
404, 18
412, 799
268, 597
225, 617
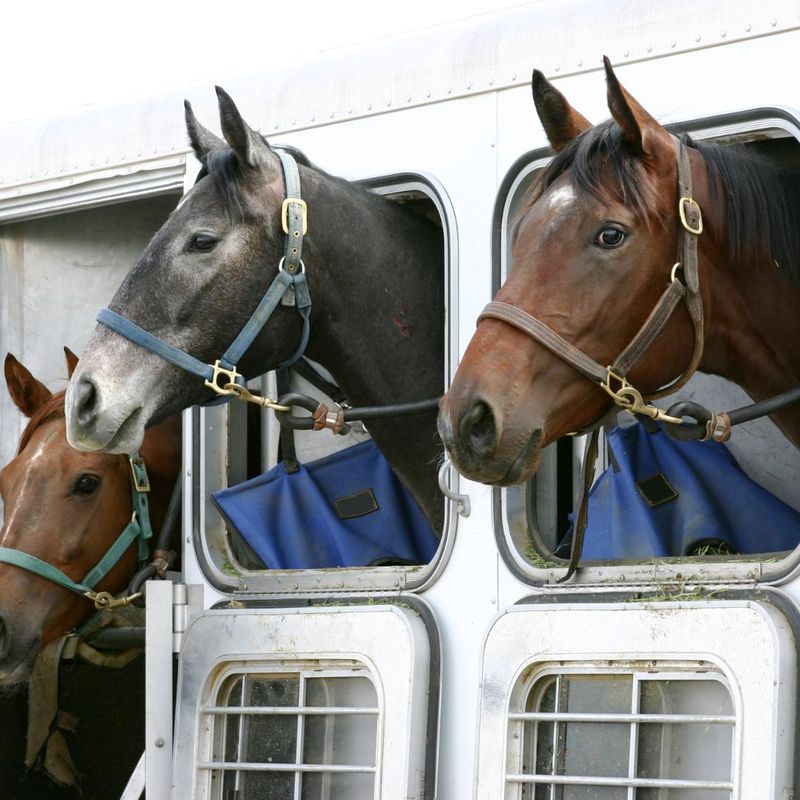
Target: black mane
225, 170
762, 199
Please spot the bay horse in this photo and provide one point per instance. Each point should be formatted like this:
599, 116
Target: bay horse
66, 508
594, 252
374, 276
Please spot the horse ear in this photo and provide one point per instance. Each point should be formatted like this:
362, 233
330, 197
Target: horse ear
72, 361
639, 129
562, 123
27, 393
249, 146
202, 140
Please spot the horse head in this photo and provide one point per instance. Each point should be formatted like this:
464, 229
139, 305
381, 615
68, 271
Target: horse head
65, 508
374, 274
212, 259
592, 250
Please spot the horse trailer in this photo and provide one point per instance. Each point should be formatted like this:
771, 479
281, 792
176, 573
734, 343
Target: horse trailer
478, 674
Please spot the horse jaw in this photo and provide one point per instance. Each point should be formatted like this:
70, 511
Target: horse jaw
100, 411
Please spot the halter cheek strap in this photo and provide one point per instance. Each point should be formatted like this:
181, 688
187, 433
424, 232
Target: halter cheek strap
138, 530
288, 288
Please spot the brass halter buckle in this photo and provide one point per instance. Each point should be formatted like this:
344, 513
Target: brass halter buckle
630, 399
294, 201
683, 204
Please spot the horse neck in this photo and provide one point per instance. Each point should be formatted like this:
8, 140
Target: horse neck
753, 331
161, 451
375, 272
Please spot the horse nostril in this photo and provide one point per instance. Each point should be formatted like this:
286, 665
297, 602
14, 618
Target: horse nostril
477, 428
85, 401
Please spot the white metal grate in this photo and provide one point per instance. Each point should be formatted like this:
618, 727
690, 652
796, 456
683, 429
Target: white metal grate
623, 736
307, 734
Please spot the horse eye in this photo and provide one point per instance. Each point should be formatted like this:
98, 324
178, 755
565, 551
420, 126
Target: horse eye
609, 238
86, 485
203, 242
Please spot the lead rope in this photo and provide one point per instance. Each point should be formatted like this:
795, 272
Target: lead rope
579, 532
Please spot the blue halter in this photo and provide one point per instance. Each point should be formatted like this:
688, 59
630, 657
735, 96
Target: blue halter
289, 288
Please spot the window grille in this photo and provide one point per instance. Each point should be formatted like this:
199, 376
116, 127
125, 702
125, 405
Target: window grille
294, 735
622, 736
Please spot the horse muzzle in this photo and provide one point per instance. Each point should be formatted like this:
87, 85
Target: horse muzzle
93, 425
482, 448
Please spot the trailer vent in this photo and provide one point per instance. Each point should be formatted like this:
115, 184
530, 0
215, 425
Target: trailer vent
294, 735
623, 736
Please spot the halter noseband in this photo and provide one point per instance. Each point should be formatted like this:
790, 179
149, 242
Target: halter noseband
683, 285
138, 530
288, 288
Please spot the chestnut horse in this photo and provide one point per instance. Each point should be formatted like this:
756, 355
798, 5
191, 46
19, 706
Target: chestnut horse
593, 249
66, 508
371, 302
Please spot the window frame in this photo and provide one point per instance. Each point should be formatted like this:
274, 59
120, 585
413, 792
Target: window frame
205, 448
541, 569
395, 643
601, 632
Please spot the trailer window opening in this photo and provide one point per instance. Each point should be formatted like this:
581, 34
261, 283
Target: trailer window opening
539, 515
619, 735
252, 446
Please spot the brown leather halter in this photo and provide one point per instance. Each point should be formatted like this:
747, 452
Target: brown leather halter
684, 285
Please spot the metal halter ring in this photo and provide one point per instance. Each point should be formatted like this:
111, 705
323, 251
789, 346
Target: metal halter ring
281, 268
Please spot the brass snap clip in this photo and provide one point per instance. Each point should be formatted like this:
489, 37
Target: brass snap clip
106, 600
630, 399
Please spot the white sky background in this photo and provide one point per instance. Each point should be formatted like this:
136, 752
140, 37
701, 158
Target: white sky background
57, 56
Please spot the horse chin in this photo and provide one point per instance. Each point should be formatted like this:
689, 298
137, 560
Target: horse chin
498, 471
526, 463
16, 670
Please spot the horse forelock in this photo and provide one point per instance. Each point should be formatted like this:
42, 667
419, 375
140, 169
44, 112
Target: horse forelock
226, 171
591, 156
53, 408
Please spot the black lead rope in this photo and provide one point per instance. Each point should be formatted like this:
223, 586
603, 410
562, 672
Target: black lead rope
336, 419
576, 546
708, 424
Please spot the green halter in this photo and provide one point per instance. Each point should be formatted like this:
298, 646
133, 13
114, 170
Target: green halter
137, 530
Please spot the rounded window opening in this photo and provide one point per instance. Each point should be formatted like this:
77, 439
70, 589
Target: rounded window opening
660, 504
303, 507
